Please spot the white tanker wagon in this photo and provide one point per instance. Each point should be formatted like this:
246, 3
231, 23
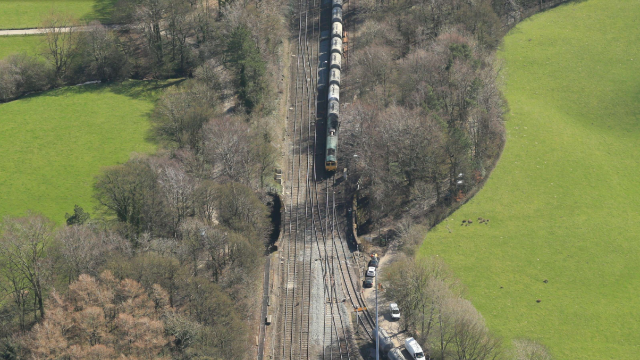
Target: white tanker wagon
336, 30
336, 45
336, 14
334, 77
333, 93
336, 61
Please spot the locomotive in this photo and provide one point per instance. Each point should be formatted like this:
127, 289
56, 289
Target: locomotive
333, 97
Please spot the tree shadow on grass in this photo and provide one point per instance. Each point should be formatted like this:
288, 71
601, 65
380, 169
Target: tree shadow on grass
103, 11
148, 90
144, 89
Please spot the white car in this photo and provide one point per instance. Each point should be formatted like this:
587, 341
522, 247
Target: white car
371, 271
395, 311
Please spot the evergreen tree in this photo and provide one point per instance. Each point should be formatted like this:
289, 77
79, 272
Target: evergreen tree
243, 56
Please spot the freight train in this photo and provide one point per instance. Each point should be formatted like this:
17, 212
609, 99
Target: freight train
333, 97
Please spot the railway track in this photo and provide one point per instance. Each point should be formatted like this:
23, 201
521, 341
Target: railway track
312, 321
294, 312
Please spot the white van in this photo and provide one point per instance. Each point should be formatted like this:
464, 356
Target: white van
414, 348
395, 311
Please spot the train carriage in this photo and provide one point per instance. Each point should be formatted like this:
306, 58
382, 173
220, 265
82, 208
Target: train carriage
336, 14
334, 77
336, 30
336, 61
334, 93
336, 45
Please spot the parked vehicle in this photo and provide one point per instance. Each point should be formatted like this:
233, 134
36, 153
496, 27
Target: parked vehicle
414, 349
395, 311
371, 271
368, 283
373, 263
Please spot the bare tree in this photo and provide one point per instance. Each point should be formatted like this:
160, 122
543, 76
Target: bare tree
179, 27
84, 249
149, 14
60, 37
177, 188
524, 349
108, 62
24, 248
227, 148
181, 113
9, 80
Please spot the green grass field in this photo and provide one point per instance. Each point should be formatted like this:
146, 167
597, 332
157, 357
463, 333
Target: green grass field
563, 202
21, 14
32, 45
53, 144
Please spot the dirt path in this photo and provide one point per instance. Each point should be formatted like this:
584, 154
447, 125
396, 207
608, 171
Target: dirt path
40, 31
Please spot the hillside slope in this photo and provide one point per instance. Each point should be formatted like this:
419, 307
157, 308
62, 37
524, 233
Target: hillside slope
563, 201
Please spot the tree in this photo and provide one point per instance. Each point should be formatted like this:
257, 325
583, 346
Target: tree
34, 73
24, 250
524, 349
84, 250
79, 216
179, 28
103, 319
130, 192
9, 80
181, 113
436, 314
107, 61
176, 189
150, 15
61, 42
244, 57
223, 335
227, 148
240, 209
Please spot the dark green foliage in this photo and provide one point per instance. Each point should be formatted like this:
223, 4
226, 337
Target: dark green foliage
79, 216
244, 57
129, 192
480, 20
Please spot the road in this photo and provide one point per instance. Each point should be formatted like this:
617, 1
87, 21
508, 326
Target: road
385, 322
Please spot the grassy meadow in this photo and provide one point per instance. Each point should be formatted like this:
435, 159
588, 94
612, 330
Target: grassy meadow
31, 45
21, 14
53, 144
563, 202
